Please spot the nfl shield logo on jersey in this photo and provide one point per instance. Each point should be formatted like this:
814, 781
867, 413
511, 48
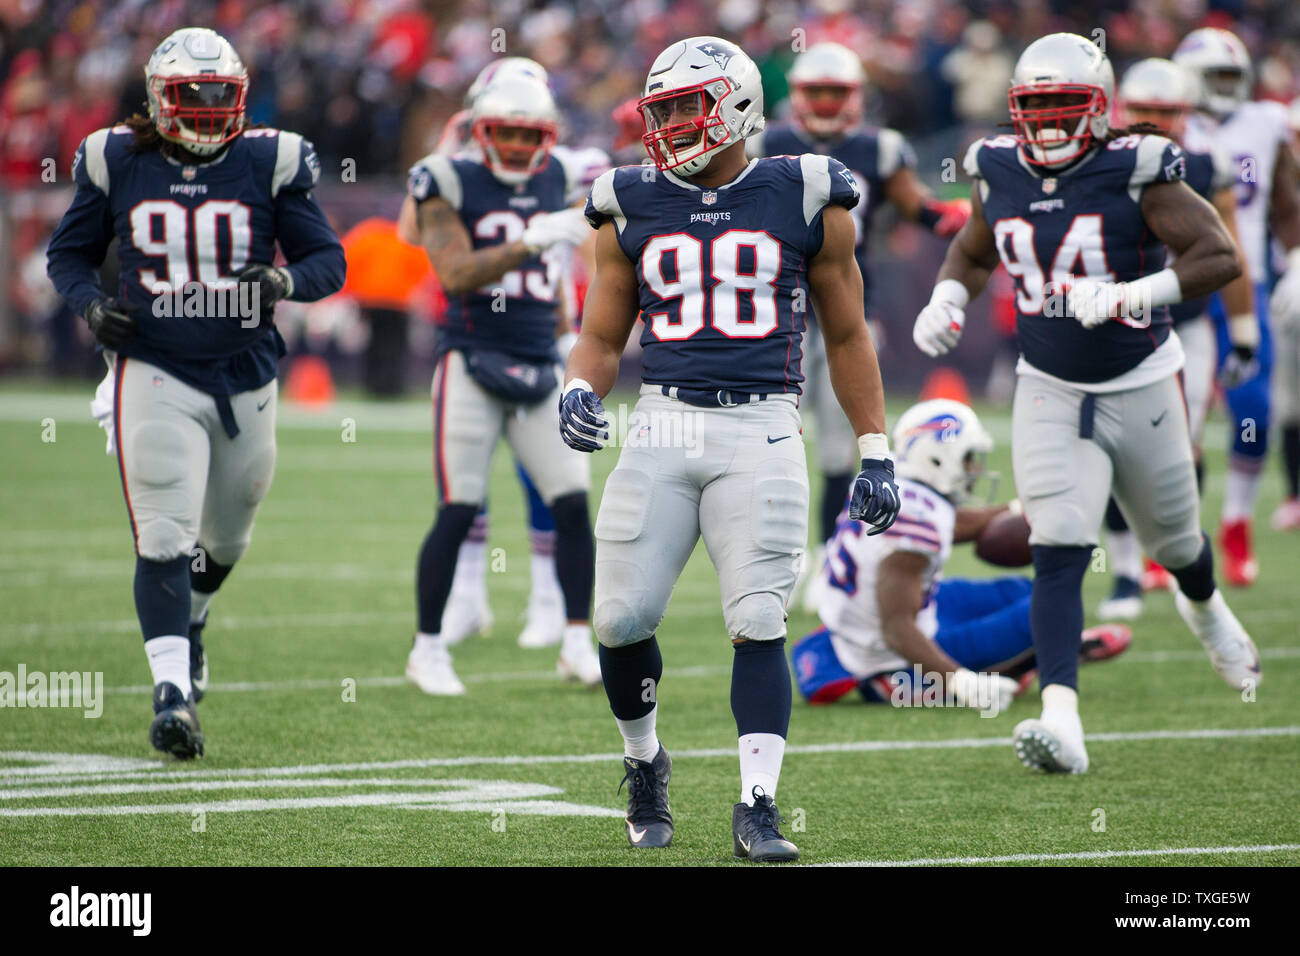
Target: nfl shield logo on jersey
1049, 186
709, 197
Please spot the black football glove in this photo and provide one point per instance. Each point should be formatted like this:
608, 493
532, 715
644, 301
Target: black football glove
272, 285
110, 323
582, 420
875, 496
1239, 366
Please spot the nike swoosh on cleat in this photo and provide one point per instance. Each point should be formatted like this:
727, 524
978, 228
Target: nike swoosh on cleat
773, 441
743, 844
634, 835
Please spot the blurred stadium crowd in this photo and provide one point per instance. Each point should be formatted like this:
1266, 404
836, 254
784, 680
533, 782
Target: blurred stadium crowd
371, 82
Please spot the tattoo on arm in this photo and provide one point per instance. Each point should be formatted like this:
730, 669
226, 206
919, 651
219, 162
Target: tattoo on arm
973, 253
460, 267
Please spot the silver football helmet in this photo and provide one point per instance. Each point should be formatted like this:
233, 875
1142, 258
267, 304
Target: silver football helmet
515, 123
826, 65
941, 443
1221, 67
702, 94
1060, 98
1159, 86
197, 87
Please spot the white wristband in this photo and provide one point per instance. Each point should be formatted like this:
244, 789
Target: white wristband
950, 291
873, 445
1159, 288
1293, 259
578, 383
1015, 507
1243, 331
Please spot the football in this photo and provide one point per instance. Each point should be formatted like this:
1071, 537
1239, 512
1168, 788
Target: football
1005, 542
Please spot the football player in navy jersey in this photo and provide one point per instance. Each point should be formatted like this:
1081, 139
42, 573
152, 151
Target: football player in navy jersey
1081, 220
198, 204
716, 255
1157, 95
485, 222
826, 93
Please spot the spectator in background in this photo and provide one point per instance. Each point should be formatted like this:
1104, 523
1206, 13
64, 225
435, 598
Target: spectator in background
980, 72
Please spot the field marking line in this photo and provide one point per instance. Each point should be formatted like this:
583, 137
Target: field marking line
40, 775
1083, 855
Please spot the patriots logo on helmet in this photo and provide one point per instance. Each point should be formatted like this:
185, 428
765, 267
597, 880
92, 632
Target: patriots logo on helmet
720, 55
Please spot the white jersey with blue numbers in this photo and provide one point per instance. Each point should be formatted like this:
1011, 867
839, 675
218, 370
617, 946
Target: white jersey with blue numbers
516, 313
1250, 137
178, 224
871, 155
849, 607
1085, 221
722, 272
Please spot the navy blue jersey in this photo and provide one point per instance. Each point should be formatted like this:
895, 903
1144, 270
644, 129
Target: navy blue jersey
517, 313
1206, 175
722, 273
186, 228
1085, 221
871, 155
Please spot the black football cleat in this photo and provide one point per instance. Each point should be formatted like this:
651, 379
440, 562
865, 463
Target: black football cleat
175, 728
198, 660
755, 834
649, 821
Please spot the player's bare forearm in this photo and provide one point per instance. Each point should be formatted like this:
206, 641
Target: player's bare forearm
408, 225
906, 193
836, 285
1191, 228
1238, 295
973, 253
608, 315
971, 521
899, 584
460, 267
1284, 203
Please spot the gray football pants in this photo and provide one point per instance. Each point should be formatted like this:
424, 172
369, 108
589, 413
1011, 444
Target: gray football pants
736, 476
185, 480
1071, 450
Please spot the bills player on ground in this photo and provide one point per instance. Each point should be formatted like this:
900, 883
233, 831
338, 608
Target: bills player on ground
193, 354
1078, 217
715, 254
1158, 95
485, 221
468, 610
887, 608
1254, 134
827, 89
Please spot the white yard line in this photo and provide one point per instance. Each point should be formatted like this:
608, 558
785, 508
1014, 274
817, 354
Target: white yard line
35, 775
1086, 855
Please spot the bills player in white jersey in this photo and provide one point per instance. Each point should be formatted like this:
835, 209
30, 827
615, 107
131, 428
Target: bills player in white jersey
1286, 385
1255, 135
886, 607
468, 611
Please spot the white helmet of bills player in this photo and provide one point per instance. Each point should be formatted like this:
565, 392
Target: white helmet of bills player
826, 83
941, 443
1060, 98
197, 86
1221, 67
702, 94
515, 123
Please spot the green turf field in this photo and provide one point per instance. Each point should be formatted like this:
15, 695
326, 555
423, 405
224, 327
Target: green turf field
524, 769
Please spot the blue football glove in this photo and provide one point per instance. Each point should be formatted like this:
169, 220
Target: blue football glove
582, 420
875, 496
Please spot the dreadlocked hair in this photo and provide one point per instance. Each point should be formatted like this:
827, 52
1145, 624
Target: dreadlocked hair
146, 138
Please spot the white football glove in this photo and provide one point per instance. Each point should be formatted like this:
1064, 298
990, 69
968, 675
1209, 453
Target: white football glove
938, 327
1095, 303
991, 692
546, 229
1284, 305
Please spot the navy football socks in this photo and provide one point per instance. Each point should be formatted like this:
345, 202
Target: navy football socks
1056, 612
760, 688
625, 672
